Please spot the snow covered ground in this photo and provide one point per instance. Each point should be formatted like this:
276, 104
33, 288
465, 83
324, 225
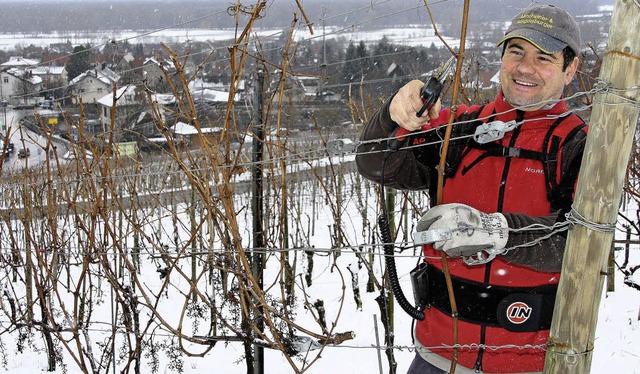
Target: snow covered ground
413, 36
616, 348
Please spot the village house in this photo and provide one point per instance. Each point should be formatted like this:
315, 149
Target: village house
93, 84
127, 103
134, 118
52, 76
153, 74
129, 68
145, 122
293, 90
17, 84
19, 87
184, 133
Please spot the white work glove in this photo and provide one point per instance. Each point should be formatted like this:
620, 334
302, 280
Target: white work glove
472, 231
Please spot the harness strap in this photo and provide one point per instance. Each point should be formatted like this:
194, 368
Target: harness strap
518, 309
551, 167
494, 149
548, 158
562, 194
460, 150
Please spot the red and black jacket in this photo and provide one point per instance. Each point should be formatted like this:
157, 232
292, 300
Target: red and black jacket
529, 175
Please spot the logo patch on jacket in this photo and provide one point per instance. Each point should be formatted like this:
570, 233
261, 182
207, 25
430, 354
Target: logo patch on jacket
520, 312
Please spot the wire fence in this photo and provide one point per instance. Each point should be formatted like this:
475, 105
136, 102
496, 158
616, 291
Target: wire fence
111, 259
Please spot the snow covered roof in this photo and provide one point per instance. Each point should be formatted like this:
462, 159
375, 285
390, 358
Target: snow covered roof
18, 61
128, 57
210, 95
105, 75
163, 99
48, 70
124, 96
182, 128
72, 154
495, 78
150, 60
164, 63
21, 74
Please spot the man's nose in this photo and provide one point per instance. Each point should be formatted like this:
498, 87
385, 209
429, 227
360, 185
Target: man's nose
526, 65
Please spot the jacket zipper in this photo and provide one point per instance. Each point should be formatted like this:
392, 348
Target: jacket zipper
487, 275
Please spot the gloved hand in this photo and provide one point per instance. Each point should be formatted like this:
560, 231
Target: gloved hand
407, 102
472, 230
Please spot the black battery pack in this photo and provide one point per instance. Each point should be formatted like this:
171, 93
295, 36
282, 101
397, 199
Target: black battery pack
420, 285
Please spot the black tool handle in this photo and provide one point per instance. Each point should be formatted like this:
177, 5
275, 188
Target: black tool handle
429, 93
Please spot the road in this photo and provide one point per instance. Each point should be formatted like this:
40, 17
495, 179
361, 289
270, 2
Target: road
22, 137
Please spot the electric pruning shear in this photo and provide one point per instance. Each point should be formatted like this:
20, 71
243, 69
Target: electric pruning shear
429, 93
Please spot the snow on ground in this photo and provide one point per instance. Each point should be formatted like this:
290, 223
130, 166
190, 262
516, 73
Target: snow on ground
616, 348
407, 35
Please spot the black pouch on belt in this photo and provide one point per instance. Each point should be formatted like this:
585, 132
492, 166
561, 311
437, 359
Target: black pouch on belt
420, 285
518, 309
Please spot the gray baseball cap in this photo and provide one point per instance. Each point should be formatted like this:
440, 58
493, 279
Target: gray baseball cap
548, 27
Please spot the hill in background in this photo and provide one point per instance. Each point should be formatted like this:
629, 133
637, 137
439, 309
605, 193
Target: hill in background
80, 15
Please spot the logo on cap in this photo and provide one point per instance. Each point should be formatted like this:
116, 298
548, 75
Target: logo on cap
536, 19
518, 312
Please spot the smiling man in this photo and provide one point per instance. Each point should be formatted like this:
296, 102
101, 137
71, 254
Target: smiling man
537, 64
530, 76
511, 163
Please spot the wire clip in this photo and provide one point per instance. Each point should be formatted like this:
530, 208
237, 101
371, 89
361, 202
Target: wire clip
492, 131
338, 147
481, 257
432, 236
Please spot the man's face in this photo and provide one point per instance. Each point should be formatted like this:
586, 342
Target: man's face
529, 76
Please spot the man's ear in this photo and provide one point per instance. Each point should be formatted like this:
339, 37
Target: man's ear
571, 71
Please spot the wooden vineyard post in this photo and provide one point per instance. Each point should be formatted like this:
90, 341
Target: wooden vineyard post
598, 195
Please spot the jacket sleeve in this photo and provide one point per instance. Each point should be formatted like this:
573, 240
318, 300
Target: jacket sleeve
545, 255
400, 169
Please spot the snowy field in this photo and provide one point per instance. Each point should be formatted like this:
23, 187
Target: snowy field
412, 36
616, 348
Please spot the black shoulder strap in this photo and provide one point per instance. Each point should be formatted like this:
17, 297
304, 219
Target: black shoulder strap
552, 151
561, 194
497, 150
